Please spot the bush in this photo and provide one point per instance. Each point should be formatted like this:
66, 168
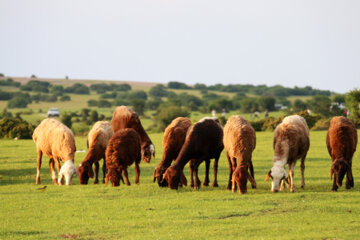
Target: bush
78, 88
257, 125
178, 85
17, 102
138, 106
9, 82
120, 87
65, 98
322, 124
92, 103
94, 116
57, 90
310, 119
36, 86
158, 91
104, 104
15, 127
165, 114
270, 123
5, 95
66, 119
5, 113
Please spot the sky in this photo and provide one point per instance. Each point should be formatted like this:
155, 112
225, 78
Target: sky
286, 42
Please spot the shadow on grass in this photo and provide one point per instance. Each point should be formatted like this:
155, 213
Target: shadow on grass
22, 233
23, 176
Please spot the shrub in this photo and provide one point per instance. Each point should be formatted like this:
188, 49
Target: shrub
9, 82
104, 104
322, 124
92, 103
15, 127
94, 117
165, 114
57, 90
257, 125
5, 113
17, 102
270, 123
178, 85
138, 106
158, 91
78, 88
65, 98
5, 95
36, 86
66, 119
310, 119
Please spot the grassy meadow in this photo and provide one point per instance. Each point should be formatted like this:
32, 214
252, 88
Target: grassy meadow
146, 211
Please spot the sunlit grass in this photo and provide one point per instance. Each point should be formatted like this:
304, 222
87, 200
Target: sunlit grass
146, 211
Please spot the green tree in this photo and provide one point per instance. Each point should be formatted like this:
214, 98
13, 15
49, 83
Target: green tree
66, 119
158, 91
17, 102
94, 116
299, 105
178, 85
165, 114
352, 102
320, 104
138, 105
267, 102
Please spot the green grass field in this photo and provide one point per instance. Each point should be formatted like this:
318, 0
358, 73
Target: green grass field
146, 211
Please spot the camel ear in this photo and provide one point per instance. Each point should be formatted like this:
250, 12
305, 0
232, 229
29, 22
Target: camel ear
268, 175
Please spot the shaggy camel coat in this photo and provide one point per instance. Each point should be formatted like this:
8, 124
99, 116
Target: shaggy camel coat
97, 141
57, 142
174, 138
239, 143
125, 117
341, 141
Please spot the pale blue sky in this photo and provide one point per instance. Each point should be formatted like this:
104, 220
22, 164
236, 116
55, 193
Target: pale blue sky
307, 42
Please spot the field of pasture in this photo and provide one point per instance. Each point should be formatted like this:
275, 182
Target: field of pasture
146, 211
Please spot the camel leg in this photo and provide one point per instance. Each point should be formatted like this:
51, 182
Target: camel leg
126, 177
291, 175
215, 183
191, 165
52, 171
349, 178
96, 168
104, 170
230, 172
302, 167
207, 168
38, 166
137, 170
58, 167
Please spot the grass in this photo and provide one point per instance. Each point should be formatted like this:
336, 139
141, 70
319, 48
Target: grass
146, 211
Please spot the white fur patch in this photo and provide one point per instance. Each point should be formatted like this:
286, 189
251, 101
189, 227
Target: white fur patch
67, 170
208, 118
152, 149
278, 172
